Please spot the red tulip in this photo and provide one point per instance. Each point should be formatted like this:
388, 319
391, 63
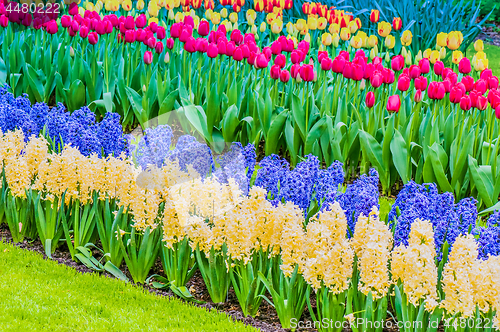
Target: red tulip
307, 73
465, 103
414, 71
321, 55
468, 82
276, 47
481, 86
148, 57
487, 73
84, 31
418, 96
203, 28
493, 82
280, 60
151, 42
170, 43
425, 66
447, 85
345, 55
437, 90
370, 99
261, 61
304, 46
221, 47
398, 63
326, 63
473, 98
141, 21
494, 98
338, 64
421, 83
159, 47
357, 72
213, 50
482, 103
462, 88
74, 26
230, 47
438, 68
129, 23
201, 45
176, 29
251, 58
456, 95
93, 38
404, 83
295, 70
73, 9
394, 104
161, 33
397, 23
464, 66
185, 34
285, 76
190, 45
389, 76
236, 36
188, 20
267, 51
245, 50
52, 28
238, 54
275, 72
377, 79
65, 21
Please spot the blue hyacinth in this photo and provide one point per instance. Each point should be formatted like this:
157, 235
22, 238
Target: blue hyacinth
448, 219
488, 238
80, 128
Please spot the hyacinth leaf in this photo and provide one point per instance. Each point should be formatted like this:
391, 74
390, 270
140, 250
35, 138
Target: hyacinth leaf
373, 151
317, 130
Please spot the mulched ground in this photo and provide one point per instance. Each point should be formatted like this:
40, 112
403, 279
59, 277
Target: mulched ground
491, 34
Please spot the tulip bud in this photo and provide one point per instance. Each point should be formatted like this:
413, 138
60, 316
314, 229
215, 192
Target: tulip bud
148, 57
166, 59
263, 27
442, 53
370, 99
71, 51
336, 40
387, 57
144, 88
362, 85
171, 15
298, 79
253, 30
418, 57
418, 96
373, 52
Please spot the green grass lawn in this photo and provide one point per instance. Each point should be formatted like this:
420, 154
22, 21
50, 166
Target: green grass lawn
493, 55
41, 295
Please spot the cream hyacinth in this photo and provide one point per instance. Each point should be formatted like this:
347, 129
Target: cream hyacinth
414, 265
372, 242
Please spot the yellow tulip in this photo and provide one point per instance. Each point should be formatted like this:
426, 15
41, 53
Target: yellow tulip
408, 60
301, 24
229, 26
153, 19
481, 55
179, 17
418, 57
345, 34
90, 6
322, 22
263, 27
403, 51
251, 14
307, 37
442, 39
479, 45
434, 57
372, 41
140, 5
374, 52
326, 39
356, 42
384, 29
312, 23
336, 40
276, 26
427, 53
250, 21
453, 40
334, 28
223, 13
253, 30
390, 42
215, 18
480, 64
127, 5
353, 27
233, 17
290, 28
270, 17
406, 38
442, 53
208, 13
457, 57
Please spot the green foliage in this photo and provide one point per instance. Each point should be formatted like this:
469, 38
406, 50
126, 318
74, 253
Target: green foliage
41, 295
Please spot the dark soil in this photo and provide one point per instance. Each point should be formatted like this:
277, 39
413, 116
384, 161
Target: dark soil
491, 34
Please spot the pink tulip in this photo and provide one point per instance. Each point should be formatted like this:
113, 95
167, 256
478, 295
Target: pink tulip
464, 66
370, 99
93, 38
148, 57
394, 104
